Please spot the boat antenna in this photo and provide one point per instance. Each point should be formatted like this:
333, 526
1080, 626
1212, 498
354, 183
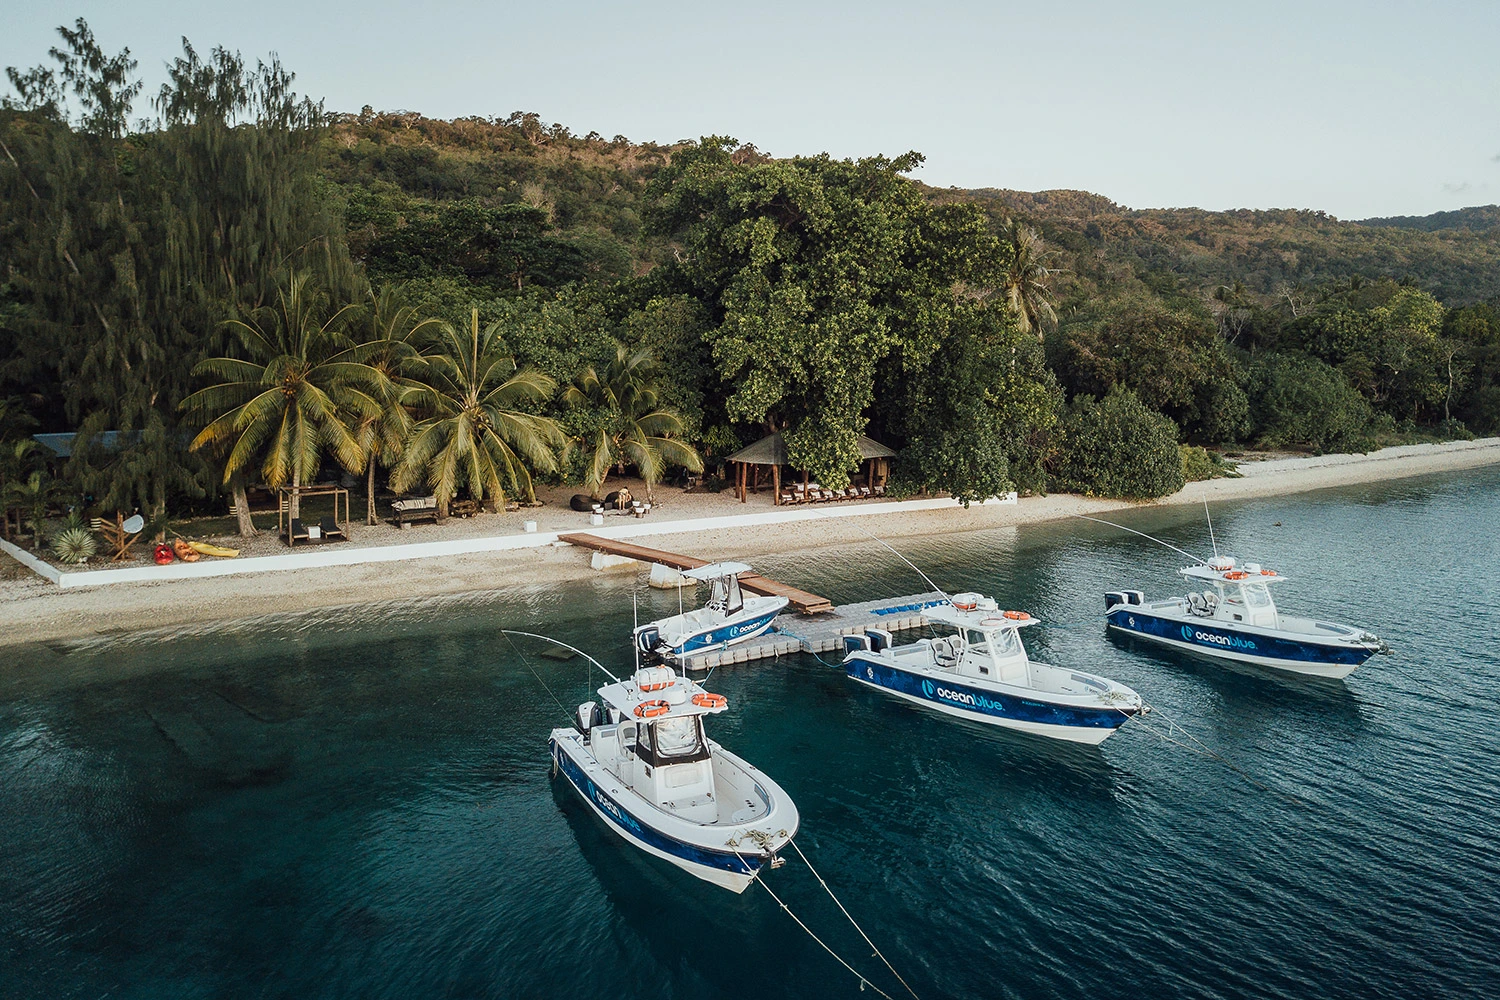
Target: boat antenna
1158, 541
1211, 539
555, 642
635, 624
908, 562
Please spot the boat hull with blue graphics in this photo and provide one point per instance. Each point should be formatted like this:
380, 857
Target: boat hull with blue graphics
1235, 618
982, 673
644, 766
727, 618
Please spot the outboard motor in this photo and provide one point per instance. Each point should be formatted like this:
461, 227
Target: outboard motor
587, 717
1115, 597
856, 644
880, 639
647, 638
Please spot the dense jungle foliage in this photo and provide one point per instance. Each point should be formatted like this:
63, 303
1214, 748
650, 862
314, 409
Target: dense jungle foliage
252, 289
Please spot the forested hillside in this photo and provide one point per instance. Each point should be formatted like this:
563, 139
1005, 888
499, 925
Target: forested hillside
251, 289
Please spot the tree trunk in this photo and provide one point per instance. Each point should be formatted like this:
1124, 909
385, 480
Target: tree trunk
775, 485
241, 506
294, 505
370, 493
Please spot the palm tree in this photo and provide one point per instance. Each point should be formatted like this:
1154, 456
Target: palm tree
288, 403
633, 426
391, 326
468, 393
1027, 279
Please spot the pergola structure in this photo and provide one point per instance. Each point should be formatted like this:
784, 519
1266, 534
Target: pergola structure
771, 450
283, 507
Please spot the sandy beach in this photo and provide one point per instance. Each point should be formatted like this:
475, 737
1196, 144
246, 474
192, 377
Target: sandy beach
33, 609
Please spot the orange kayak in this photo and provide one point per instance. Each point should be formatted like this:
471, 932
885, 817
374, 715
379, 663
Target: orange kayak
183, 551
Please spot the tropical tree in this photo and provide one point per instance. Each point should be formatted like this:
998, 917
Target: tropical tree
289, 402
469, 395
632, 426
1027, 279
813, 270
391, 327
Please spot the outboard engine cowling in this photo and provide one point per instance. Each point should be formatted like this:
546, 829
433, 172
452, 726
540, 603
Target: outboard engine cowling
880, 639
856, 644
647, 638
1113, 598
587, 717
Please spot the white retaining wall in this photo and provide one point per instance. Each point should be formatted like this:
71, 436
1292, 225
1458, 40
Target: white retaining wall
350, 555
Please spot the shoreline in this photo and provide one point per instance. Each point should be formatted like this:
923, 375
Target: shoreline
34, 610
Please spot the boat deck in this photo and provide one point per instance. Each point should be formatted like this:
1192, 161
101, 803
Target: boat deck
823, 634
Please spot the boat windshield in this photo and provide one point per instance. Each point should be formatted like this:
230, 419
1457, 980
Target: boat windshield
724, 595
1257, 596
1005, 642
680, 737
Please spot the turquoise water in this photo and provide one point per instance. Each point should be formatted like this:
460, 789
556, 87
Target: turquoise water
357, 803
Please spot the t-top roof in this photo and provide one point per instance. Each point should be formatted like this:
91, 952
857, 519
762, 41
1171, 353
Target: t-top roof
979, 618
715, 570
1235, 574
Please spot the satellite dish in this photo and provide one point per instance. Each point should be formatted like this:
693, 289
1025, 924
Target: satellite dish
134, 523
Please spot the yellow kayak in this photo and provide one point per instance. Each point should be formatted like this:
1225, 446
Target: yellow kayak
214, 550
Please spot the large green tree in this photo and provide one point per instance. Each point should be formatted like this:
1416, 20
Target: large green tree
627, 421
475, 428
390, 329
293, 396
813, 270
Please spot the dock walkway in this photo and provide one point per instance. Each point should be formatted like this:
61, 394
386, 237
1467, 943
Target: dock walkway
807, 604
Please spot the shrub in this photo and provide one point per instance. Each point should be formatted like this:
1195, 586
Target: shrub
73, 544
1300, 401
1200, 463
1117, 447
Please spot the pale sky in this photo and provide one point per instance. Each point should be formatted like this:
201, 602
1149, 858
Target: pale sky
1358, 109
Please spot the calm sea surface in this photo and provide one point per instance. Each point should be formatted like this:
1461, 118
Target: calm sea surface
357, 803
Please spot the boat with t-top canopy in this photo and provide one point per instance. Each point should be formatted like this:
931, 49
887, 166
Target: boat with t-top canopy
1235, 617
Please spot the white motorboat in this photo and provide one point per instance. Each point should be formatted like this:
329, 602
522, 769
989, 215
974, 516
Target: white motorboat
726, 618
982, 673
644, 765
1235, 618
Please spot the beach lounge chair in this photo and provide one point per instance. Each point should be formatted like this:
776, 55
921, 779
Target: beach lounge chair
330, 529
789, 498
296, 532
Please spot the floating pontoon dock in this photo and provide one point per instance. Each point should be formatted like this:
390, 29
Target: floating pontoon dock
823, 634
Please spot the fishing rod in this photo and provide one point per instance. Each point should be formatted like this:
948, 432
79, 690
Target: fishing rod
908, 562
1212, 540
1158, 541
556, 642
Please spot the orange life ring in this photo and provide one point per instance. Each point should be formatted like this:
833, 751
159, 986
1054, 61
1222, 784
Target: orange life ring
651, 709
1017, 616
708, 699
1268, 572
1236, 575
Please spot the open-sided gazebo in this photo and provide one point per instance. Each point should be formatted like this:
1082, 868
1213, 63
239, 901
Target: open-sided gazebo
771, 450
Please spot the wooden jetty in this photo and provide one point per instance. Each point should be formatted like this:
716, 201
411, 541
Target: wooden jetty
801, 600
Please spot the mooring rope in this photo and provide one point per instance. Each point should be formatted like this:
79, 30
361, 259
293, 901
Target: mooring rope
879, 954
1202, 749
755, 877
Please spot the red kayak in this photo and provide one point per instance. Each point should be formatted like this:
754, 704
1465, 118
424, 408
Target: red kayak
164, 555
